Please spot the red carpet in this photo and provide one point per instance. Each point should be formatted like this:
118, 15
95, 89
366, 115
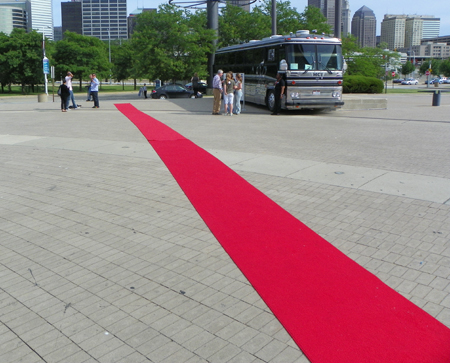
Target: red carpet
335, 310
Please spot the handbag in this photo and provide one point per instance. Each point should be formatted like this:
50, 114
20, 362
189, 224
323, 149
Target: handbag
59, 91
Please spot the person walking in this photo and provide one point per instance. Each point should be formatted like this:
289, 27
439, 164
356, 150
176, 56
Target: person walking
94, 90
238, 94
69, 86
280, 86
229, 94
145, 90
194, 81
217, 92
64, 93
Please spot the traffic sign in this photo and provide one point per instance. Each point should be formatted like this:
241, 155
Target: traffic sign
427, 73
393, 74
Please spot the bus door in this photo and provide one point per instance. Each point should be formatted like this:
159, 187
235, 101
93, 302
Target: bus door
261, 72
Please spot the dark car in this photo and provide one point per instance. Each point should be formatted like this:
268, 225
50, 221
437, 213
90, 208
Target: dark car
172, 91
202, 86
398, 80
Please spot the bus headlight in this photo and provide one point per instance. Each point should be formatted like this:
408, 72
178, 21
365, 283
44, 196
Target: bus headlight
295, 95
336, 94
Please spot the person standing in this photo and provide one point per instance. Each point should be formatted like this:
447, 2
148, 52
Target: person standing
69, 86
229, 94
194, 81
94, 90
280, 86
238, 94
217, 92
64, 93
145, 90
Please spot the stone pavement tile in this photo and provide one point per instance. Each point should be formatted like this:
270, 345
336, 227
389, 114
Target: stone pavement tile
117, 355
244, 336
211, 348
198, 340
151, 345
142, 337
444, 316
270, 350
290, 355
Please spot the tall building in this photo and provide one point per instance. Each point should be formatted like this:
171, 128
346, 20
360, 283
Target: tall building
405, 31
42, 17
327, 7
15, 14
393, 31
364, 24
71, 17
105, 19
346, 19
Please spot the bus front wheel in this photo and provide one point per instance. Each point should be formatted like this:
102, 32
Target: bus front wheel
271, 101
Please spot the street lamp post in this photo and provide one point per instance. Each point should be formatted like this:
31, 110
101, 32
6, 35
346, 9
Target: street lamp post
109, 50
45, 62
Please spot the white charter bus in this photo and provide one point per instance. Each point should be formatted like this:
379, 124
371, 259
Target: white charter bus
312, 66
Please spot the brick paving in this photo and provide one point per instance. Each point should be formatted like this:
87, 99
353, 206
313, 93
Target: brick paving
103, 259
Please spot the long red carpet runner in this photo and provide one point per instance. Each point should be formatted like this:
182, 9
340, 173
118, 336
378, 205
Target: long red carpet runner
335, 310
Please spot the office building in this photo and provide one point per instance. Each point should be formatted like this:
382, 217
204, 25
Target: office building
42, 17
364, 25
244, 4
71, 17
327, 8
105, 19
346, 20
15, 14
405, 31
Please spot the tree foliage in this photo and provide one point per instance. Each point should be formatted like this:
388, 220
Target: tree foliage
435, 67
21, 58
171, 44
408, 68
444, 68
81, 55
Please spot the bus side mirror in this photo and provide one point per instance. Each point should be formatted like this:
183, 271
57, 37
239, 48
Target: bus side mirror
283, 65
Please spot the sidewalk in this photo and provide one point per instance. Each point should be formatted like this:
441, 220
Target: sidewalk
103, 259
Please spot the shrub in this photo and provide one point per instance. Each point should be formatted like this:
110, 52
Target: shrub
361, 84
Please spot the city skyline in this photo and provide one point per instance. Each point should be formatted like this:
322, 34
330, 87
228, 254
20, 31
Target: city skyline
438, 8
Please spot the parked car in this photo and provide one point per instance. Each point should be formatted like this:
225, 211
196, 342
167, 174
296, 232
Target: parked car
397, 80
410, 81
435, 80
202, 86
172, 91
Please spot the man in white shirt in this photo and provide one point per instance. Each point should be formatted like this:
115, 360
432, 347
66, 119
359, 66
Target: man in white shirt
94, 89
69, 86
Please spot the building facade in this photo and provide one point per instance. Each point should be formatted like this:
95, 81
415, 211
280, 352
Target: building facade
327, 8
72, 17
132, 19
105, 19
405, 31
364, 25
346, 21
42, 17
15, 14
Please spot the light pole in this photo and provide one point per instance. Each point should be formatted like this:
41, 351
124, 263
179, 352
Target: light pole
45, 62
109, 50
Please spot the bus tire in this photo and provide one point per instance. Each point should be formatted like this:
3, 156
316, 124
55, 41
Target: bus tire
271, 101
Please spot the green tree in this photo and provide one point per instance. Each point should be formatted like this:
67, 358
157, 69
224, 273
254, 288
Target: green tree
122, 59
434, 63
444, 68
407, 68
81, 55
313, 19
171, 44
21, 58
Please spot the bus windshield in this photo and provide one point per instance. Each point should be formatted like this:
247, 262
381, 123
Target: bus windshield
313, 57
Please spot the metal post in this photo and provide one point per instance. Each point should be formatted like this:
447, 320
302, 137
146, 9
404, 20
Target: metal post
109, 43
274, 17
337, 18
212, 13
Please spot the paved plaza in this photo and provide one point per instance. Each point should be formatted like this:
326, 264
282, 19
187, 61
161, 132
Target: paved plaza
103, 258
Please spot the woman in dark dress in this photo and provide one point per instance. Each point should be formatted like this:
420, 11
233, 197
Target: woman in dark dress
64, 93
194, 81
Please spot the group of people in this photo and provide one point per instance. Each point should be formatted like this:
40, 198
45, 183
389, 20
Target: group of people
65, 91
231, 88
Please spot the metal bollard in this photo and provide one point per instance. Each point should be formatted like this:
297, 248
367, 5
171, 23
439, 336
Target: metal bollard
436, 98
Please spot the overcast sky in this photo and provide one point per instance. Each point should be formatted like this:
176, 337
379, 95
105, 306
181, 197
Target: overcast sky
438, 8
